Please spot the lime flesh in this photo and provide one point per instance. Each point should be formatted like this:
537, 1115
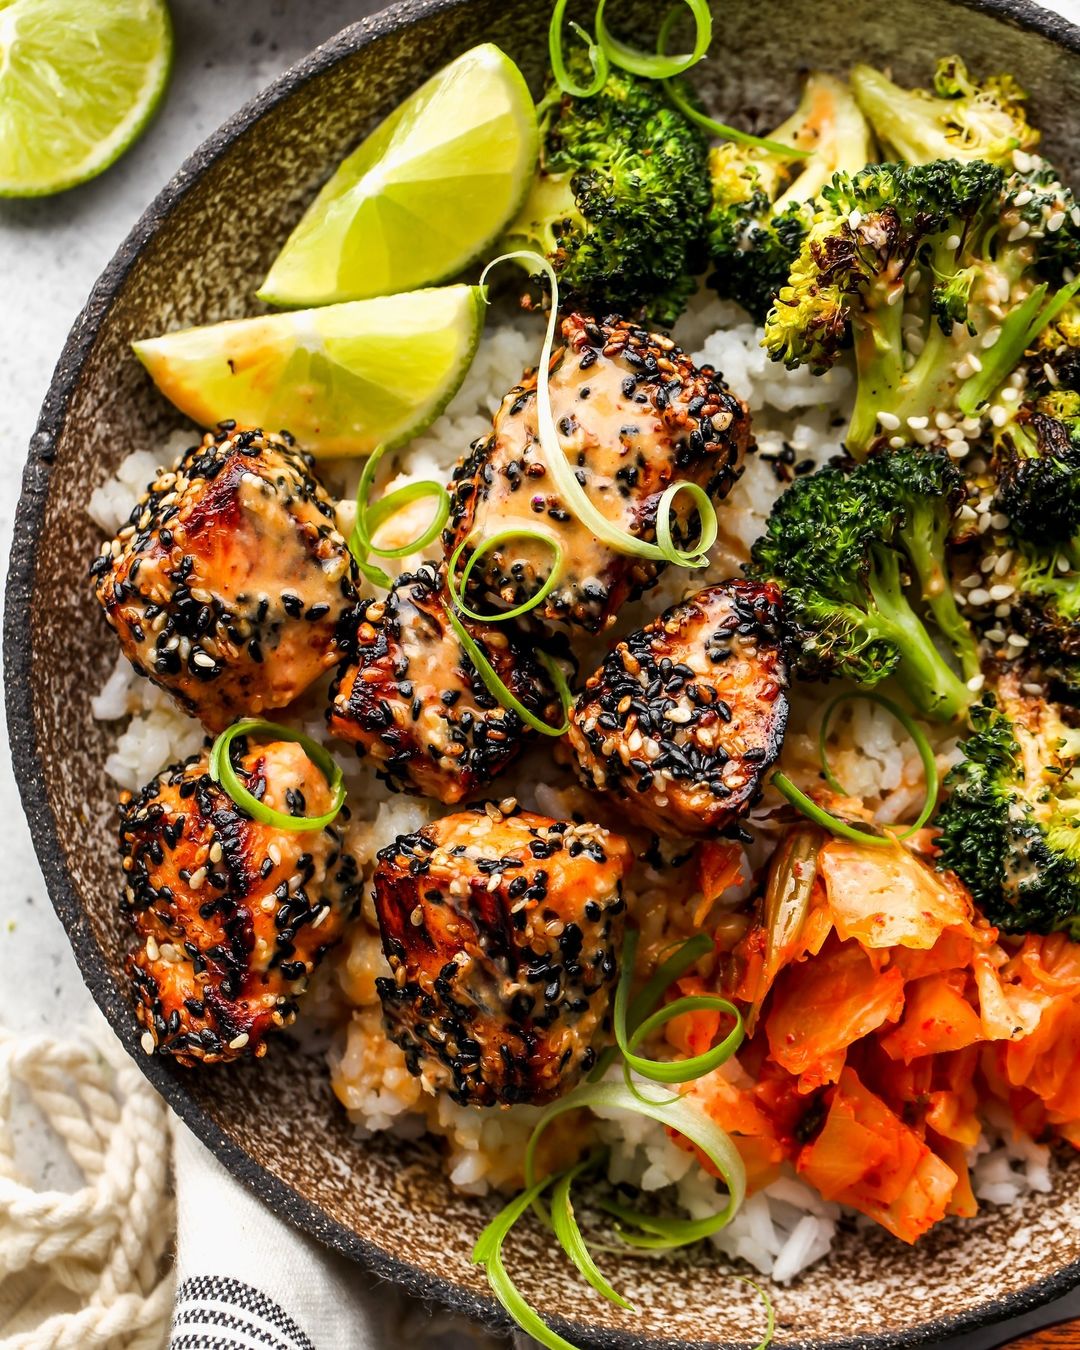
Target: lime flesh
428, 190
341, 379
79, 79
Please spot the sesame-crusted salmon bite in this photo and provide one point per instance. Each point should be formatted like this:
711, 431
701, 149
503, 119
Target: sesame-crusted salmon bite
502, 929
232, 914
685, 716
413, 702
634, 415
230, 585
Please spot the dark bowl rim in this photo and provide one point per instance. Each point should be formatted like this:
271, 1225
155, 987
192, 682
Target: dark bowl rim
27, 756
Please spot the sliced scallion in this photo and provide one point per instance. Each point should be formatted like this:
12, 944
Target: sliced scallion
564, 1221
684, 1117
674, 92
726, 132
597, 57
458, 587
565, 478
488, 1253
222, 772
370, 515
629, 1034
834, 824
498, 690
658, 65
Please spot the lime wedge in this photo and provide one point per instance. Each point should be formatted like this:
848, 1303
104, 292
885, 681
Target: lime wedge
79, 79
424, 195
341, 379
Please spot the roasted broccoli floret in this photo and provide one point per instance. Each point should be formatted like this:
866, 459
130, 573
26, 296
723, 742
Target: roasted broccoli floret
1037, 462
1046, 608
912, 265
1010, 827
959, 118
760, 212
860, 555
619, 204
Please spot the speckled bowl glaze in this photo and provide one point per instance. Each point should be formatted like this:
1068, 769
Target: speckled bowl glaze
196, 256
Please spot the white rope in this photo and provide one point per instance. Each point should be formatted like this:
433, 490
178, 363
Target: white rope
83, 1269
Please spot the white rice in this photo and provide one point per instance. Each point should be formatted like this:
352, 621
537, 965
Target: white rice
784, 1228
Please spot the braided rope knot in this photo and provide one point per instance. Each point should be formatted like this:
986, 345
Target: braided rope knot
85, 1268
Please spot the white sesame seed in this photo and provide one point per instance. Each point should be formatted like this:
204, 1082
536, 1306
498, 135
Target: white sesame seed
215, 851
1002, 591
153, 952
953, 241
196, 879
916, 342
999, 521
974, 362
995, 634
897, 442
978, 596
238, 1042
988, 564
1018, 231
274, 854
976, 683
990, 337
966, 513
1022, 198
998, 415
1034, 689
1021, 161
146, 1040
1015, 640
1054, 221
895, 295
889, 421
972, 579
964, 368
958, 449
942, 421
925, 436
854, 219
1003, 563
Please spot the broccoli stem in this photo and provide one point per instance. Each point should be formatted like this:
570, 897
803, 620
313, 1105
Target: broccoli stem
925, 538
879, 363
929, 681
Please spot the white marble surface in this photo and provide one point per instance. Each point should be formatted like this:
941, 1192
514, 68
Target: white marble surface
50, 254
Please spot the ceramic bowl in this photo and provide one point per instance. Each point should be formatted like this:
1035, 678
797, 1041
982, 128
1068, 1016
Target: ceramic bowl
196, 256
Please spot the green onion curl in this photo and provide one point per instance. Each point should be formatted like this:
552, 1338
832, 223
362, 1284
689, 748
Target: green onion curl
498, 690
457, 588
629, 1034
684, 1117
566, 481
834, 824
658, 65
597, 57
370, 515
488, 1253
721, 129
223, 773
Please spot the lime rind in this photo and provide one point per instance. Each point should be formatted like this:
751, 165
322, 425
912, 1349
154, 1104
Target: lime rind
103, 153
377, 228
342, 379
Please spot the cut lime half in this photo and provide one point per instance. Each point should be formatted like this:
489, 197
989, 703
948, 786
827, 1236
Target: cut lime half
424, 195
79, 79
342, 379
